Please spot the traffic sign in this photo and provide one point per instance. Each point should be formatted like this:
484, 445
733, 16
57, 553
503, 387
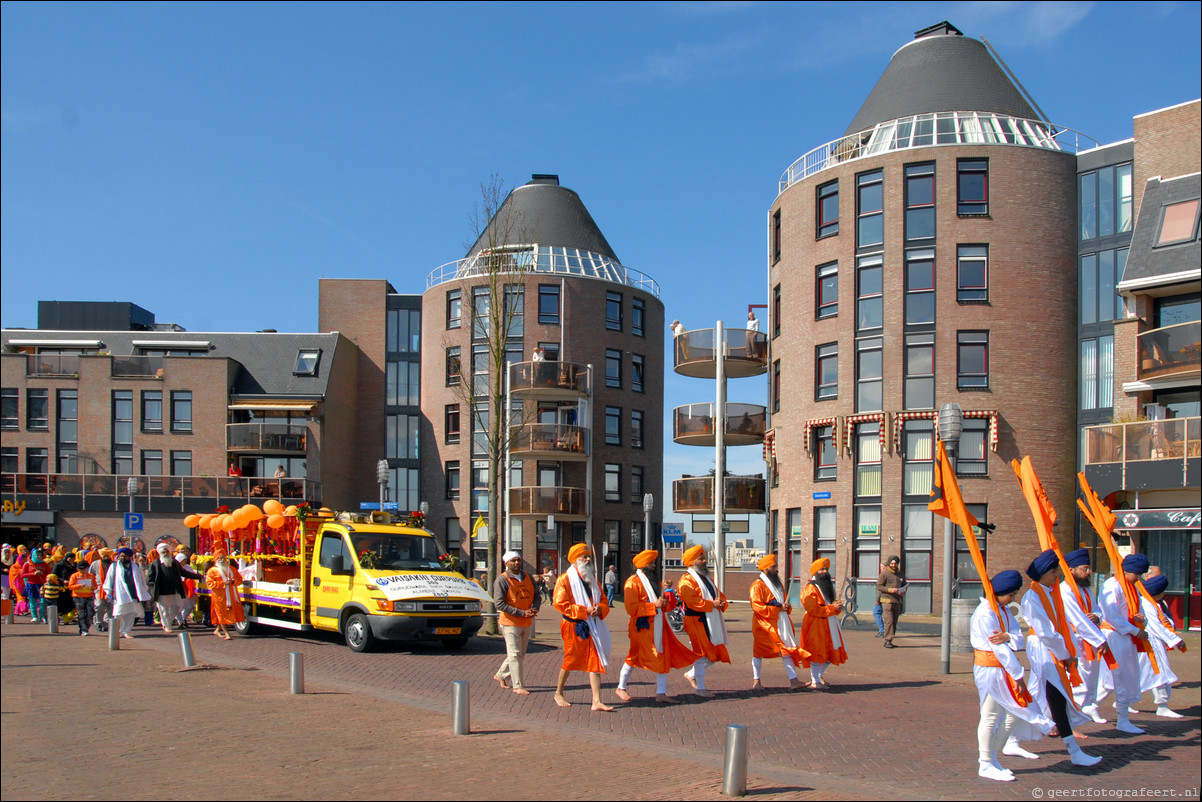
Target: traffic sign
133, 522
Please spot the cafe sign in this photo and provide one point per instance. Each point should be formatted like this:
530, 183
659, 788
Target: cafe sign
1158, 519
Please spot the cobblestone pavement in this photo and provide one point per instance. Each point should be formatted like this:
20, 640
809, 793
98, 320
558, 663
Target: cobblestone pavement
77, 718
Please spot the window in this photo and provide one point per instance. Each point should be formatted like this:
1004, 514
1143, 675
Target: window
869, 376
10, 459
973, 449
637, 365
870, 210
401, 433
613, 311
480, 369
451, 472
972, 274
451, 423
550, 351
920, 287
1178, 223
867, 544
333, 546
826, 533
1096, 387
454, 367
826, 362
1100, 272
825, 466
775, 235
776, 386
636, 484
919, 371
868, 460
972, 360
123, 432
454, 309
776, 311
67, 431
402, 384
918, 455
613, 426
918, 538
152, 410
37, 409
37, 460
481, 304
515, 311
306, 362
613, 368
548, 304
480, 429
828, 209
1105, 201
181, 463
479, 487
870, 298
638, 317
920, 202
10, 414
636, 428
828, 290
181, 411
404, 331
636, 536
972, 186
152, 462
965, 568
613, 482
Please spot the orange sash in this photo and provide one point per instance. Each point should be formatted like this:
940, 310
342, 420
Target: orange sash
1054, 608
1021, 696
1087, 648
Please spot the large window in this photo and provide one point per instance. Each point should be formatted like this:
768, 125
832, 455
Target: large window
636, 428
1096, 387
404, 332
638, 317
825, 464
826, 534
868, 460
37, 460
479, 487
515, 311
451, 471
1100, 274
826, 380
965, 567
869, 375
403, 384
454, 365
152, 462
920, 287
401, 433
152, 411
67, 430
973, 451
181, 411
481, 363
481, 304
548, 304
123, 432
37, 408
918, 454
613, 482
1105, 201
972, 273
867, 542
870, 210
972, 186
972, 360
613, 426
480, 424
828, 290
919, 371
613, 368
10, 413
918, 536
870, 298
613, 311
451, 423
828, 209
636, 484
776, 311
454, 309
920, 202
638, 366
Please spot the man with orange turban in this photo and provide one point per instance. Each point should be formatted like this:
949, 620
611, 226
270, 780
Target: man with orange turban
820, 630
586, 640
771, 630
703, 608
653, 646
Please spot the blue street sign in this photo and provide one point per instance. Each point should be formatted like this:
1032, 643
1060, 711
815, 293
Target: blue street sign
823, 494
370, 505
133, 522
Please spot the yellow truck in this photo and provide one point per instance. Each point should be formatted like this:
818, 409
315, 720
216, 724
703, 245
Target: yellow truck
368, 579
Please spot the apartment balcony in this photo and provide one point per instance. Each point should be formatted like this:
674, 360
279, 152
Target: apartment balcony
693, 424
696, 352
157, 494
549, 441
137, 367
52, 365
1144, 455
266, 438
1171, 352
696, 494
550, 381
565, 503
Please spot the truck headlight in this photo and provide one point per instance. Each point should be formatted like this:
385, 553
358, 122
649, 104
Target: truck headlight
404, 607
472, 607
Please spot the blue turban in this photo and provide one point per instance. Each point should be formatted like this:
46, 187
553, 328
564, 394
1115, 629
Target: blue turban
125, 550
1045, 562
1136, 564
1076, 558
1156, 584
1006, 582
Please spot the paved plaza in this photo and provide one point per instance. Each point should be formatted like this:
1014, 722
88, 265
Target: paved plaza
82, 722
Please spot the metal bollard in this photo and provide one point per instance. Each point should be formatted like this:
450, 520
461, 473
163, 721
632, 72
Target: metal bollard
461, 715
185, 645
734, 768
114, 636
52, 618
296, 672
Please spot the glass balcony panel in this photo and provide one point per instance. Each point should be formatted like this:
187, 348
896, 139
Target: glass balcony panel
266, 437
138, 366
565, 503
550, 380
694, 424
52, 365
696, 494
745, 353
549, 441
1170, 350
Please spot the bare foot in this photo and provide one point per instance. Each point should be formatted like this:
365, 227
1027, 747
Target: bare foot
500, 681
127, 635
663, 699
601, 707
521, 691
1079, 736
813, 686
559, 700
691, 680
704, 693
757, 686
621, 694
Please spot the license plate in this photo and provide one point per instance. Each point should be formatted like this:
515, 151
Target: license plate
447, 630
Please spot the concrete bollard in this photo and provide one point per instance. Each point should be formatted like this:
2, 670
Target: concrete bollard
461, 715
296, 672
52, 618
185, 645
114, 636
734, 764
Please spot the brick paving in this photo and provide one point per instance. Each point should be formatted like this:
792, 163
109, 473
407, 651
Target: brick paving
892, 727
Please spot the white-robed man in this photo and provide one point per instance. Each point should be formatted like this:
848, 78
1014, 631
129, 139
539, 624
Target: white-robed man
586, 640
1050, 653
653, 645
999, 678
704, 605
125, 585
1162, 636
1088, 639
1123, 628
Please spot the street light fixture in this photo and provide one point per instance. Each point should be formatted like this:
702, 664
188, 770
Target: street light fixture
382, 478
648, 541
951, 422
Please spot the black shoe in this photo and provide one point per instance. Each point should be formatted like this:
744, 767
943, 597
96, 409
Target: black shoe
889, 645
880, 634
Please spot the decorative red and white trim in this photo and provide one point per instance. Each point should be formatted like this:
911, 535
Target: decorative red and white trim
808, 433
872, 417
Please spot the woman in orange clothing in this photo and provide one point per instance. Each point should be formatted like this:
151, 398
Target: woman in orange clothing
223, 580
820, 630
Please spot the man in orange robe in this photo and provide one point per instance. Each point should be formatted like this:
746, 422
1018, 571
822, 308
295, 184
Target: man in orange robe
820, 630
653, 646
223, 581
586, 640
771, 630
704, 605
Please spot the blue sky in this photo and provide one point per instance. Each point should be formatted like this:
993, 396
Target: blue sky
210, 162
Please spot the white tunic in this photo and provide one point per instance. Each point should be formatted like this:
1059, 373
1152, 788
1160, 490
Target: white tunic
1162, 639
118, 591
991, 681
1112, 605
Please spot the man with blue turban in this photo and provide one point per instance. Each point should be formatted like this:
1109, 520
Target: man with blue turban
1081, 609
1162, 635
1123, 627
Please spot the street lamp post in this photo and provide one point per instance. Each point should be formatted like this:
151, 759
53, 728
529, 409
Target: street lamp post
382, 478
131, 489
950, 425
648, 541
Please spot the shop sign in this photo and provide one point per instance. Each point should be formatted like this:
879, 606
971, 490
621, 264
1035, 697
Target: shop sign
1158, 519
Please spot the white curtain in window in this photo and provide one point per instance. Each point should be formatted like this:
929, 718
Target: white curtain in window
1105, 372
868, 480
1089, 374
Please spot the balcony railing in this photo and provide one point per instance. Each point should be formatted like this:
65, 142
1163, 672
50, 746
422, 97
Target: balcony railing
138, 366
696, 494
544, 259
1175, 438
549, 441
693, 425
745, 353
1170, 351
266, 437
52, 365
108, 493
927, 130
563, 380
566, 503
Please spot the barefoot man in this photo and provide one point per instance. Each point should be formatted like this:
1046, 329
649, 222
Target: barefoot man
704, 605
586, 641
652, 644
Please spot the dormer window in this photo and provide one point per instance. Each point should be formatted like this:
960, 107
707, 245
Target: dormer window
306, 362
1178, 223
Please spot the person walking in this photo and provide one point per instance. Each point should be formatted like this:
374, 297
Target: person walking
83, 592
223, 580
611, 585
517, 602
165, 581
586, 638
771, 630
890, 587
126, 588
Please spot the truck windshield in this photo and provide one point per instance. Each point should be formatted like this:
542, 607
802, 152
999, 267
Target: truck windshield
379, 551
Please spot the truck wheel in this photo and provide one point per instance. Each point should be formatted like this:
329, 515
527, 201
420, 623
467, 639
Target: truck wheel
245, 627
454, 643
358, 633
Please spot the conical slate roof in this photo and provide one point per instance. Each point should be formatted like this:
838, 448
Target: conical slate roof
544, 212
940, 70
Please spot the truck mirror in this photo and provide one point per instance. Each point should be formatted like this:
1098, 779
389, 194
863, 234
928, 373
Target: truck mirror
338, 566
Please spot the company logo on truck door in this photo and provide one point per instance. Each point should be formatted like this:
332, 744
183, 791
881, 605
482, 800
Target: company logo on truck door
412, 586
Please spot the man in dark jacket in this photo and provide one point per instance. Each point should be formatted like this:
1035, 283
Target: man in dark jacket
165, 580
890, 587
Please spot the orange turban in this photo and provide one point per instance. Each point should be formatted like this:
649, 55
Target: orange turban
219, 554
645, 558
692, 554
821, 564
766, 562
578, 551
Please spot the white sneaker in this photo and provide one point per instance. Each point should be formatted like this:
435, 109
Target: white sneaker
1133, 710
1167, 713
83, 634
1126, 726
1013, 749
991, 772
1079, 758
1092, 712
